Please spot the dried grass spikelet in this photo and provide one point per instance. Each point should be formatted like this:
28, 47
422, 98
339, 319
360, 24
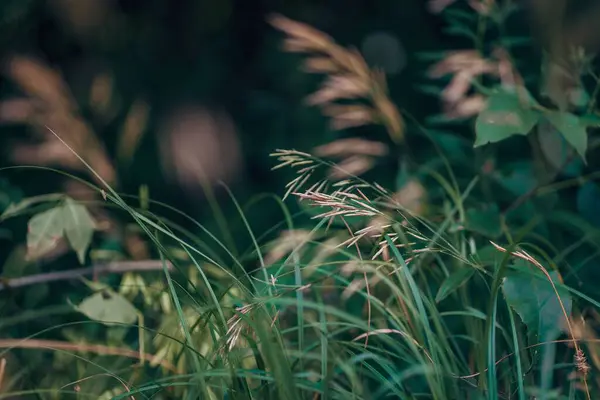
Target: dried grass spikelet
16, 110
348, 116
569, 42
85, 18
586, 333
102, 99
237, 328
563, 72
240, 330
349, 78
351, 146
50, 105
340, 204
350, 167
133, 130
358, 156
40, 82
465, 66
287, 242
580, 358
412, 197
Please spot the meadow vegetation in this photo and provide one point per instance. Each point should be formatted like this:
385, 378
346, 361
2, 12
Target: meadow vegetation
469, 274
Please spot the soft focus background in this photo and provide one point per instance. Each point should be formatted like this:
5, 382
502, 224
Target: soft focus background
183, 103
179, 91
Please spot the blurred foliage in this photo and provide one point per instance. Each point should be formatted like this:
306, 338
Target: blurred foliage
471, 127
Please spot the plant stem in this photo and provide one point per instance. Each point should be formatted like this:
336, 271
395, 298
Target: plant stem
116, 267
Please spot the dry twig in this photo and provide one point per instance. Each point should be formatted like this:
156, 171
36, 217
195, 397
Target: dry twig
82, 347
117, 267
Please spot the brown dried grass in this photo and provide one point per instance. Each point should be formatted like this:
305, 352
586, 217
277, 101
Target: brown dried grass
50, 104
348, 78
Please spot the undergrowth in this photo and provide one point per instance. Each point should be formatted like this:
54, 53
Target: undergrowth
372, 302
361, 292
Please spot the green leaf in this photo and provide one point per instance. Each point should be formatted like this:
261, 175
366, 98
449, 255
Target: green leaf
504, 116
557, 151
108, 308
453, 282
572, 129
44, 231
484, 221
79, 227
489, 256
529, 293
590, 120
554, 146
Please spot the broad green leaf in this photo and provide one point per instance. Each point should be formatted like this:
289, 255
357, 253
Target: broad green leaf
108, 308
557, 152
43, 233
489, 256
79, 227
530, 295
554, 146
572, 129
505, 115
485, 221
14, 209
453, 282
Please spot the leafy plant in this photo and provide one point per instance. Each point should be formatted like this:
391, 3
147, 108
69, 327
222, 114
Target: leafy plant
371, 290
68, 220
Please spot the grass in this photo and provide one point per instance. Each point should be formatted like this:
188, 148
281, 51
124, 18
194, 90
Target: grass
371, 299
347, 310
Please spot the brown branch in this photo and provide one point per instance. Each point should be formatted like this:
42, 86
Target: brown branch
116, 267
82, 347
2, 370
